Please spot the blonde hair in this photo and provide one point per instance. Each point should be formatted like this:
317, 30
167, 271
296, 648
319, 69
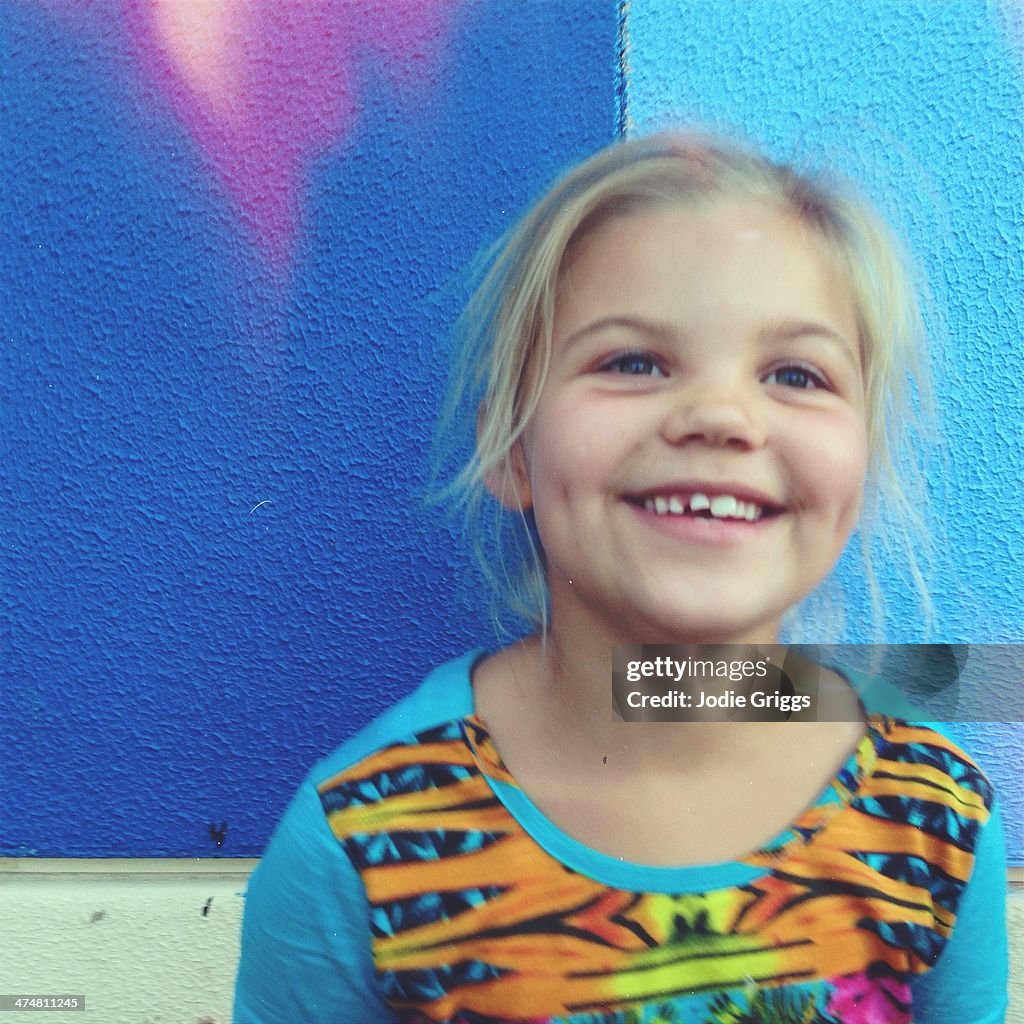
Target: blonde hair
505, 335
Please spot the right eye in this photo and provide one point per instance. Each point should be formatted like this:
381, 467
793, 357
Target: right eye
633, 364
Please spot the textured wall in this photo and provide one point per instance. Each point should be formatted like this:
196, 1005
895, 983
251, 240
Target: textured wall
920, 103
232, 250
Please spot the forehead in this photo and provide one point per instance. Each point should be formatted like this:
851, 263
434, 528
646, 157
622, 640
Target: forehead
753, 255
695, 222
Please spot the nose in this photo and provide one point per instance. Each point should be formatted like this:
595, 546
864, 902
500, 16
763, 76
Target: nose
714, 414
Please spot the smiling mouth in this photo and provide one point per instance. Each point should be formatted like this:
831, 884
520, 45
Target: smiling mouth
699, 505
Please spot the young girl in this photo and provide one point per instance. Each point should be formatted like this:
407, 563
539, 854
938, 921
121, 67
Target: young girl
688, 358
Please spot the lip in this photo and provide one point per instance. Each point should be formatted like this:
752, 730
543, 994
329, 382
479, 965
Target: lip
704, 531
716, 533
687, 488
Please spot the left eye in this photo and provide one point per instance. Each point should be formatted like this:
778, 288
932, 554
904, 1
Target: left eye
796, 377
633, 364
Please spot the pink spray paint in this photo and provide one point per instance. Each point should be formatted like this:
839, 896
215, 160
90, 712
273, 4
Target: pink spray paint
267, 88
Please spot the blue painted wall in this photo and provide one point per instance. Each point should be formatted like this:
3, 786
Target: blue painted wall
920, 103
228, 273
226, 296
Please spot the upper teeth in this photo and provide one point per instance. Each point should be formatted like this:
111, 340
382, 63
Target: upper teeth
721, 506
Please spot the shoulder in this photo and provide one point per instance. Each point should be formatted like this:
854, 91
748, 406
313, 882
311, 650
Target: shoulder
966, 966
927, 754
926, 811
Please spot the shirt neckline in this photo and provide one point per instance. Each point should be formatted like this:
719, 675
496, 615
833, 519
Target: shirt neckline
836, 795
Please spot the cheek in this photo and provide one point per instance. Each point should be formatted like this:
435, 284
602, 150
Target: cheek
567, 451
844, 472
834, 465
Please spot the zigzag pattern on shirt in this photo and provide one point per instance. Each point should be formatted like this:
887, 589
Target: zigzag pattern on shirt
473, 921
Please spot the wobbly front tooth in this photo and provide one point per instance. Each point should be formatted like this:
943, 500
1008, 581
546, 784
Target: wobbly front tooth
723, 505
660, 506
675, 506
699, 502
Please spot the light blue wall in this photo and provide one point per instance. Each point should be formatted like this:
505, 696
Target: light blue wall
920, 103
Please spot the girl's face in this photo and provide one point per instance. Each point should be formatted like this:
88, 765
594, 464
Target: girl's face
696, 461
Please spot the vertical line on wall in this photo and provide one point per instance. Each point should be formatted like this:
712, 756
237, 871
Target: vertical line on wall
624, 125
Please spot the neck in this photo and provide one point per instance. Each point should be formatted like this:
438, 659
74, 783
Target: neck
566, 677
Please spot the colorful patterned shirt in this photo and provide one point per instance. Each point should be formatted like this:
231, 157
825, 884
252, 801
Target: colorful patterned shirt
412, 880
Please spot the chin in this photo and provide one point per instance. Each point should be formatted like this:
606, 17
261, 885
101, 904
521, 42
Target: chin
699, 626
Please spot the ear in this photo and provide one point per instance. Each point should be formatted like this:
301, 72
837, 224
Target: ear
509, 481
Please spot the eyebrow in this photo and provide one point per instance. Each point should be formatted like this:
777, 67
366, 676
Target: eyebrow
790, 330
784, 330
654, 330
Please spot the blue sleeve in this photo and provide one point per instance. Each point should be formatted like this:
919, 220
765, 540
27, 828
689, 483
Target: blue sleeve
305, 933
968, 983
